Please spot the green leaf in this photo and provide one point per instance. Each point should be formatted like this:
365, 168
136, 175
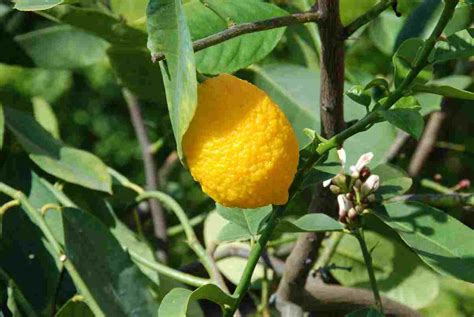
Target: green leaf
310, 223
34, 5
251, 220
72, 165
459, 45
366, 312
233, 232
394, 181
25, 257
446, 91
135, 70
429, 232
359, 95
168, 33
239, 52
176, 303
296, 90
2, 125
75, 307
384, 30
62, 47
403, 62
101, 24
430, 102
462, 19
33, 82
131, 10
399, 272
112, 280
351, 10
45, 116
409, 120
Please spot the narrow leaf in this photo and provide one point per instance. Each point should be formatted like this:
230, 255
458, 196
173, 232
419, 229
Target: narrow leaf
168, 33
429, 232
310, 223
176, 302
45, 116
446, 91
72, 165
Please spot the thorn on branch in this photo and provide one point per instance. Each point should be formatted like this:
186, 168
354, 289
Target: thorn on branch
395, 9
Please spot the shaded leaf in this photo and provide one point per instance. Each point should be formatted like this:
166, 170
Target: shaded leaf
2, 125
394, 181
34, 5
459, 45
310, 223
52, 156
462, 19
409, 120
239, 52
429, 232
131, 10
101, 24
62, 47
176, 302
168, 33
359, 95
403, 61
113, 281
251, 220
136, 71
351, 10
233, 232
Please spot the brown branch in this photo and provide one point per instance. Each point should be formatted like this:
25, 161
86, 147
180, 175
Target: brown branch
397, 145
157, 214
301, 259
250, 27
427, 142
338, 300
367, 17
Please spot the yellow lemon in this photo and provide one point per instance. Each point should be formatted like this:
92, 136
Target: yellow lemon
240, 146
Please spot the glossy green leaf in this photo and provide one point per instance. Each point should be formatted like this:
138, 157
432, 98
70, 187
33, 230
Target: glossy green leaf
34, 5
429, 232
72, 165
310, 223
252, 220
394, 181
398, 271
366, 312
101, 24
403, 62
75, 307
45, 116
384, 31
239, 52
113, 281
168, 33
462, 19
62, 47
175, 303
446, 91
409, 120
359, 95
131, 10
296, 90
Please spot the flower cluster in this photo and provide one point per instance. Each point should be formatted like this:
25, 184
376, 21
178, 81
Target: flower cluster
355, 192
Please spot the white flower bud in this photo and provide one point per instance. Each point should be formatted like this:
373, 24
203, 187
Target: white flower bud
370, 185
363, 161
344, 204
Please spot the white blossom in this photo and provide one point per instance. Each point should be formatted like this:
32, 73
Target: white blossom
363, 161
370, 185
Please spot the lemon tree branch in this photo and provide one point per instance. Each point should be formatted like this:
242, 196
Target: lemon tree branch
337, 140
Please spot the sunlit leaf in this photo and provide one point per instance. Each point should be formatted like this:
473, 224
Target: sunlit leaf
34, 5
